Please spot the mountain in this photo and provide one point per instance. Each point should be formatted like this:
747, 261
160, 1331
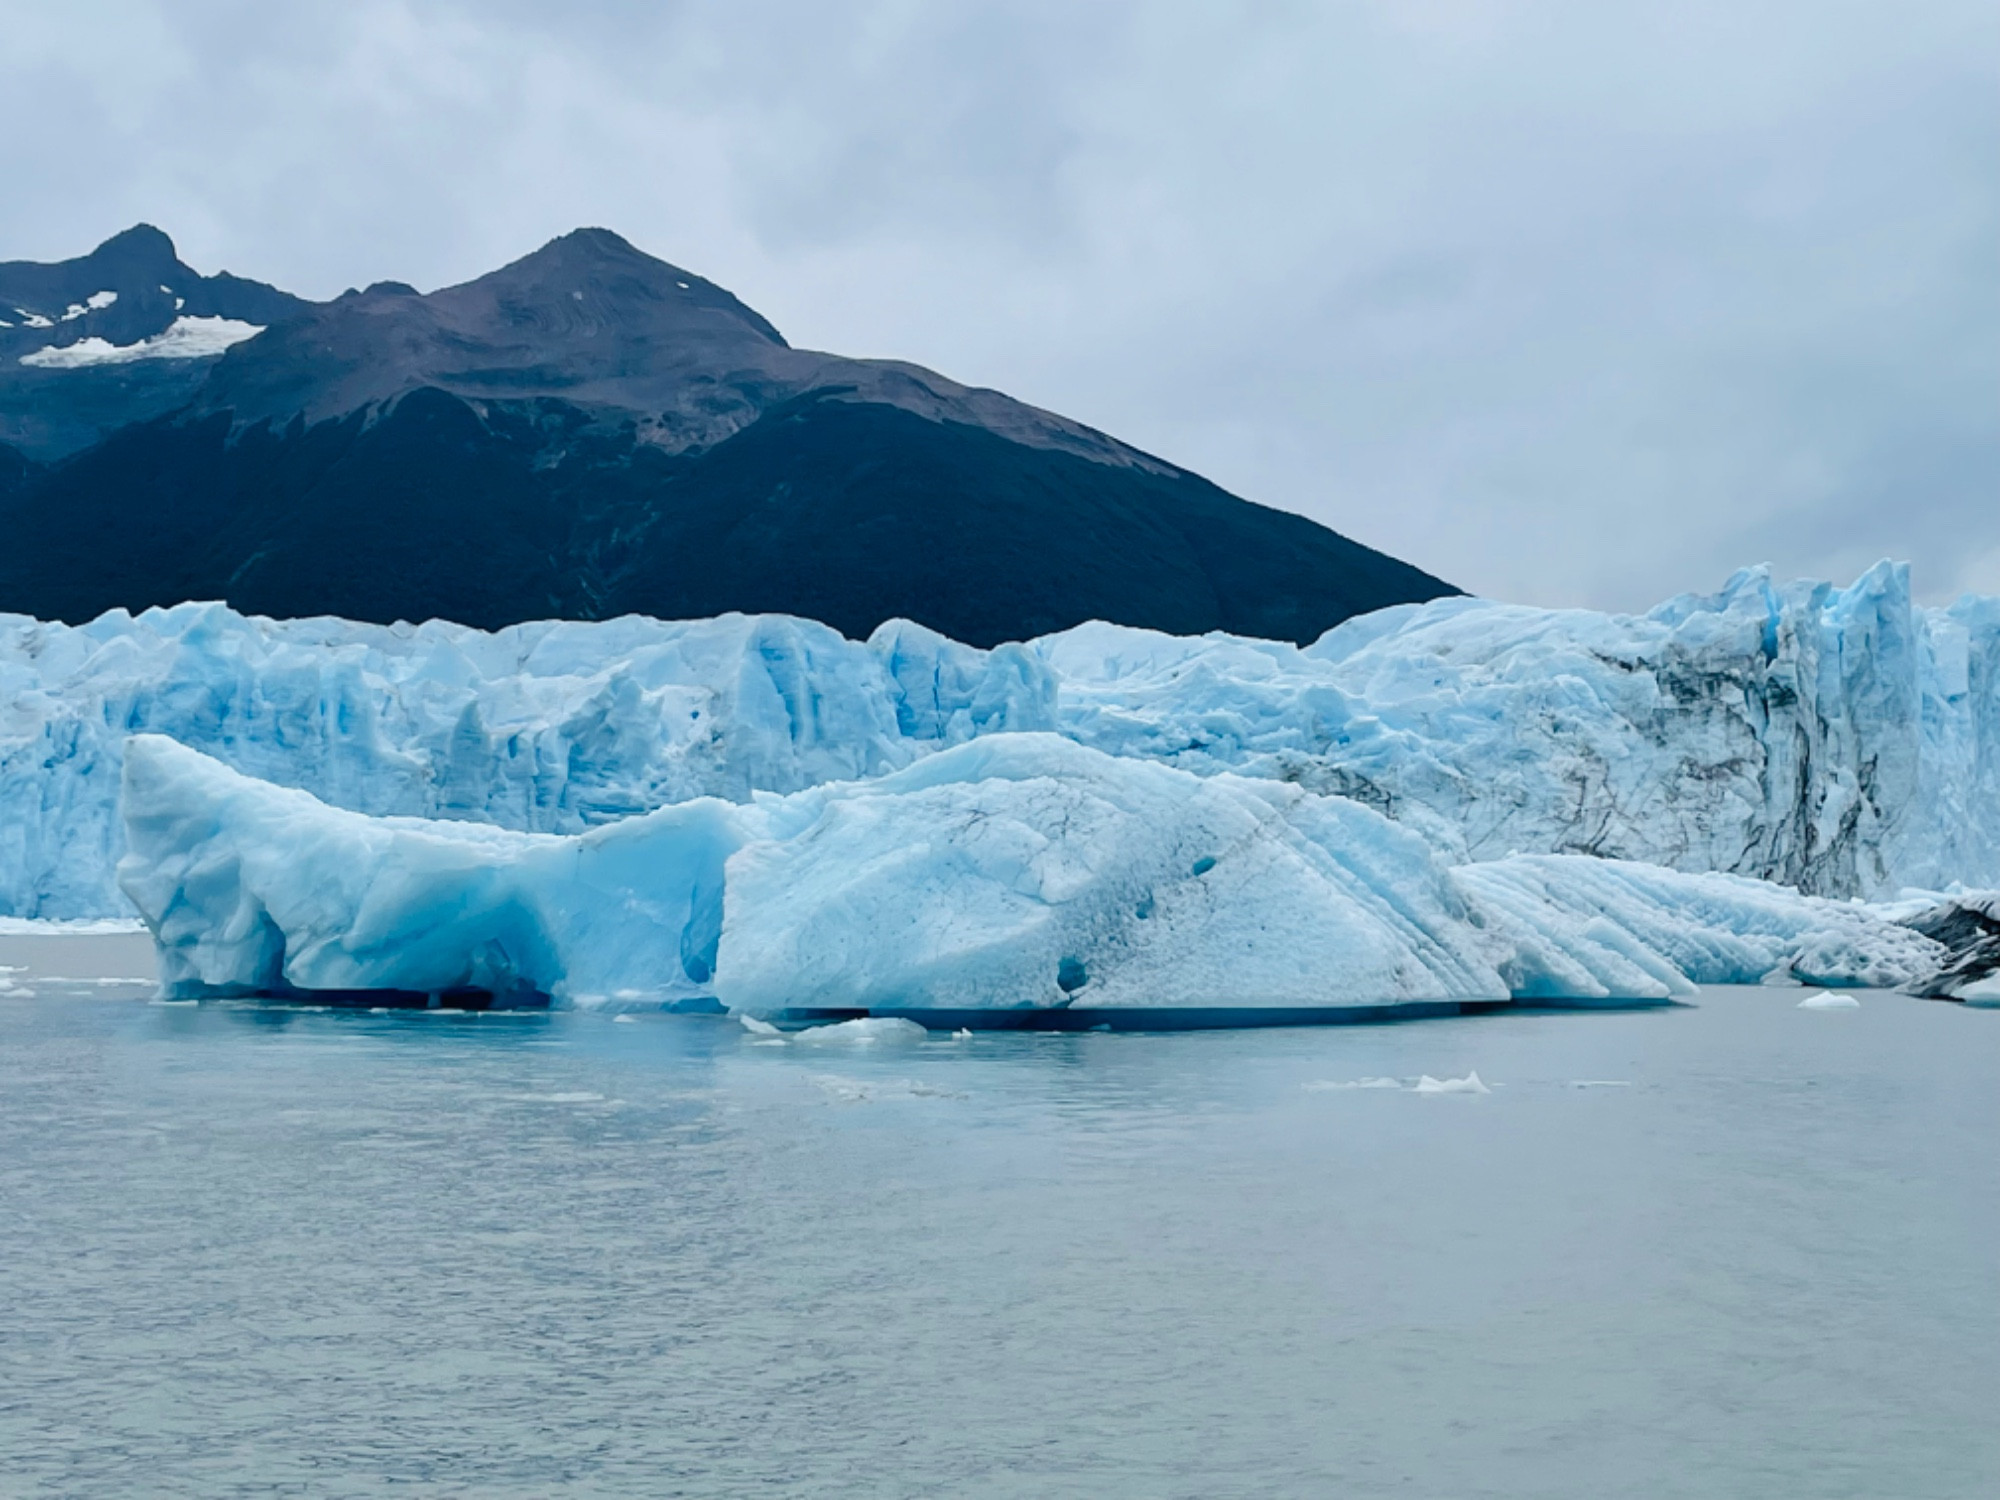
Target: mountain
120, 335
589, 432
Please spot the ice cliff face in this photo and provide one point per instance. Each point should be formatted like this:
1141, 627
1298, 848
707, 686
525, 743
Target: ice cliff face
551, 727
1841, 741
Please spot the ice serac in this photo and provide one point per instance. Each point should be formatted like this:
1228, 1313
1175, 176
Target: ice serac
1009, 872
1837, 740
552, 727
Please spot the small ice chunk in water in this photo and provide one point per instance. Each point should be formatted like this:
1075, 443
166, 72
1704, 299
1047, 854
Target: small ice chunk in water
1826, 1000
963, 1034
625, 1020
1469, 1084
865, 1032
756, 1027
1328, 1085
1980, 994
857, 1090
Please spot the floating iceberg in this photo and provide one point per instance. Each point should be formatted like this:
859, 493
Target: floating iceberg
1469, 1084
863, 1031
1967, 925
1013, 872
1583, 927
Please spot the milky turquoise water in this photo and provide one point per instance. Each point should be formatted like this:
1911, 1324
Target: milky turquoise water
257, 1251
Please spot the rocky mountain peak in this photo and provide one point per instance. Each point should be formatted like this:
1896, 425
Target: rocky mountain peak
140, 250
594, 275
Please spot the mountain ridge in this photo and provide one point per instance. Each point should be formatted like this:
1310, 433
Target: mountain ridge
48, 413
591, 430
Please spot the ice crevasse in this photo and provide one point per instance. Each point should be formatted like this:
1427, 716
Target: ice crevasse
1017, 870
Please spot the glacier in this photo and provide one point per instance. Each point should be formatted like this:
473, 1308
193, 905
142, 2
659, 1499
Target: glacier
1558, 803
552, 727
1019, 873
1842, 741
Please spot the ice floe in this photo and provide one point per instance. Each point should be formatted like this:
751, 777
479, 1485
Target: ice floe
863, 1031
1328, 1085
1469, 1084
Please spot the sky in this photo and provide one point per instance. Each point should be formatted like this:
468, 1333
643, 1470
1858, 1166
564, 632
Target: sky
1569, 303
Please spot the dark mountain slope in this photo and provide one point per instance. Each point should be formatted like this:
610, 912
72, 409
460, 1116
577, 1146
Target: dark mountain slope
591, 432
847, 512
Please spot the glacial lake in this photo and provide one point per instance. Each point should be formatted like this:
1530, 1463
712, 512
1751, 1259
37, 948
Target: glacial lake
1731, 1249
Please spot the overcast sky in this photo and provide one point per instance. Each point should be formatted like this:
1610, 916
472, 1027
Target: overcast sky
1570, 303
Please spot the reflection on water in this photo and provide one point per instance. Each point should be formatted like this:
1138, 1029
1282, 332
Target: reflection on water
1706, 1251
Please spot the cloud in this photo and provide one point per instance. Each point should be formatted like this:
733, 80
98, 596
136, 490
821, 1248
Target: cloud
1569, 302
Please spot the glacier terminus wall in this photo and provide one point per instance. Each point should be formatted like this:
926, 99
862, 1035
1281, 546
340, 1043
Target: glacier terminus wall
1840, 741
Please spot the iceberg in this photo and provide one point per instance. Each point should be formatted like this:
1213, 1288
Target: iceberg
1580, 927
1966, 924
1016, 870
1469, 1084
1012, 876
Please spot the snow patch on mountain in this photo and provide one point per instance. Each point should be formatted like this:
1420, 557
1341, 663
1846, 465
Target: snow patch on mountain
95, 302
184, 338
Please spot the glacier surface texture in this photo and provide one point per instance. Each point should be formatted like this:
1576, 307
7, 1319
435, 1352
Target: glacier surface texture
1842, 741
1019, 871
